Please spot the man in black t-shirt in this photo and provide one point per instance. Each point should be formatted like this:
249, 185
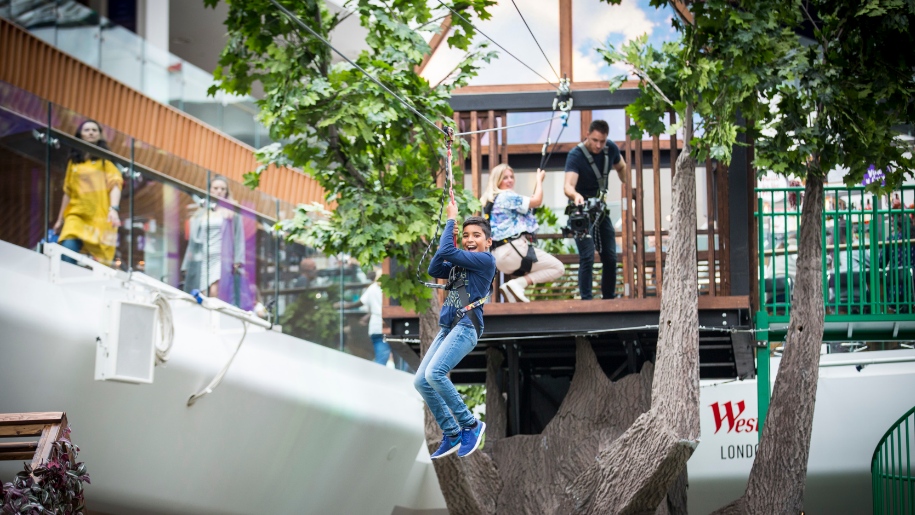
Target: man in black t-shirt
588, 179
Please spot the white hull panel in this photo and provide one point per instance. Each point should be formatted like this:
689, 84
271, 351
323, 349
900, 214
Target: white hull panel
293, 428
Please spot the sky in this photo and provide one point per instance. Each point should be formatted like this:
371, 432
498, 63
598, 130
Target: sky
593, 23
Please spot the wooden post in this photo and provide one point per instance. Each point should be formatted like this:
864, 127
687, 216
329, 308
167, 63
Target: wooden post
710, 224
504, 132
658, 232
639, 220
493, 143
626, 203
476, 158
456, 149
586, 117
565, 38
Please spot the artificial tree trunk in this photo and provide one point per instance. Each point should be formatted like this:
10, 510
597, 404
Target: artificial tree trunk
634, 474
779, 473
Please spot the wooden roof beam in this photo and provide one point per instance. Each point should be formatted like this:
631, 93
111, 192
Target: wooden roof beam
434, 43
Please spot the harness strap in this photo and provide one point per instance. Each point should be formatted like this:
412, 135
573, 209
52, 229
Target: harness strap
601, 179
468, 306
527, 261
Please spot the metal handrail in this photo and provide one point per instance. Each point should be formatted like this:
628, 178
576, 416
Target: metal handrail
893, 486
868, 266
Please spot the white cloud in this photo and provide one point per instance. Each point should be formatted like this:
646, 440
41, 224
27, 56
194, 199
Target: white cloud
594, 23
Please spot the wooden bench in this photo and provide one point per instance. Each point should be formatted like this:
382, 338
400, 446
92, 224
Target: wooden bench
48, 427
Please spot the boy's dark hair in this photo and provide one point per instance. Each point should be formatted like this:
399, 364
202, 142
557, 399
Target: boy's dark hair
599, 126
478, 220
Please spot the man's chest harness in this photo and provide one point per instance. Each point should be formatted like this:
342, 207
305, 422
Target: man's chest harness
601, 177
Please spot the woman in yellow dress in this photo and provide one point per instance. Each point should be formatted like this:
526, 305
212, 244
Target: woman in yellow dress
89, 217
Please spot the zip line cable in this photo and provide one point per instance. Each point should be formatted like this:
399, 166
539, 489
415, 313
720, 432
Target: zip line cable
481, 131
702, 328
535, 40
493, 42
406, 104
546, 158
449, 132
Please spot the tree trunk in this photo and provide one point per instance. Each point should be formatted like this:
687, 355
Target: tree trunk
635, 473
536, 469
496, 406
779, 473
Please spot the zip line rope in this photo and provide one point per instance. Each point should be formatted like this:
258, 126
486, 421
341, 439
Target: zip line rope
535, 41
495, 43
450, 178
544, 157
481, 131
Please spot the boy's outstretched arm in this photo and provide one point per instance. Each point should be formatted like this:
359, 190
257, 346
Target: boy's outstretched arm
438, 267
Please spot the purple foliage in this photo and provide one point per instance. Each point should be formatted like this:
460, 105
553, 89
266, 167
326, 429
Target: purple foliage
54, 487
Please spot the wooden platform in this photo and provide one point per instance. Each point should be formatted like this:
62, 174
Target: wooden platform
578, 316
537, 343
622, 331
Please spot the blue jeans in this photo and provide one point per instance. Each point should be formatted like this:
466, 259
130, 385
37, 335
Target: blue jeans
382, 349
607, 258
431, 380
72, 244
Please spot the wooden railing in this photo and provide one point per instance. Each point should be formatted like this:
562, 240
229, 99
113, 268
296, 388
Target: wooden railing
47, 426
566, 287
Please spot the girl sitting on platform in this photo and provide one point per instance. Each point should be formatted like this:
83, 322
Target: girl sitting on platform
513, 226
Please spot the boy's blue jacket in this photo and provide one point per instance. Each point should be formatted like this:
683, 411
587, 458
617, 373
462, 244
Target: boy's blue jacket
480, 267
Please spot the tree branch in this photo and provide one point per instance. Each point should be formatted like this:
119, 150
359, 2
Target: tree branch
646, 78
809, 17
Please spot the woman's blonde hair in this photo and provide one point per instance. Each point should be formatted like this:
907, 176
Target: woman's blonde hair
495, 179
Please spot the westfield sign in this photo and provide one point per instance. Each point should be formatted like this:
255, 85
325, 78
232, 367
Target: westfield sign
729, 414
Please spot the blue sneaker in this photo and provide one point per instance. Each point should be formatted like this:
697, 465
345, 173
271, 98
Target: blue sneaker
470, 438
450, 445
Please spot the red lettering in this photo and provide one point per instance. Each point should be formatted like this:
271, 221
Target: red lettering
751, 425
728, 414
740, 425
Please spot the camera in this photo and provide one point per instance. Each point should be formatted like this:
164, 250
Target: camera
582, 217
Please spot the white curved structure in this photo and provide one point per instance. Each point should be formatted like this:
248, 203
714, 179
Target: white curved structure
293, 428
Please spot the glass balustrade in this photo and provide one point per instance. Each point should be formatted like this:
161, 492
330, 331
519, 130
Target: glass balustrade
179, 223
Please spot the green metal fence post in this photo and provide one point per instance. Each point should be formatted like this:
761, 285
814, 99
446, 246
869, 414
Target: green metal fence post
762, 323
874, 260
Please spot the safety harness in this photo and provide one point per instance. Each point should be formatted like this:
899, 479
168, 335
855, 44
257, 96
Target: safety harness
528, 259
457, 281
601, 178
